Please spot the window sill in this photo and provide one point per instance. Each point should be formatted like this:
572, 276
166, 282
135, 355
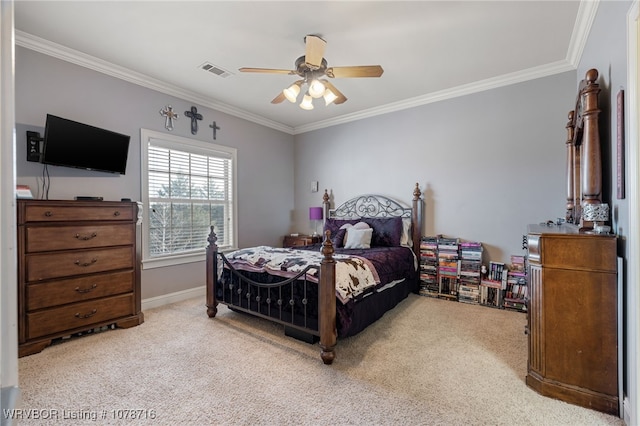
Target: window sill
161, 262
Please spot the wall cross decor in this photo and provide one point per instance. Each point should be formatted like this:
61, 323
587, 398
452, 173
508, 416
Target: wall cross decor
169, 116
194, 116
214, 127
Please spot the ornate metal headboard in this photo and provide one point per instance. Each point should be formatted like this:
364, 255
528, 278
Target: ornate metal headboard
379, 206
369, 206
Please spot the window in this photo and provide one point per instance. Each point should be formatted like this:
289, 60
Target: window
187, 185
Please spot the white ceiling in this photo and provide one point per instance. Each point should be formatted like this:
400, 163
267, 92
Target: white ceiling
429, 50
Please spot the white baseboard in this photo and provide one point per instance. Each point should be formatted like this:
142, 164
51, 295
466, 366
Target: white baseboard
178, 296
626, 416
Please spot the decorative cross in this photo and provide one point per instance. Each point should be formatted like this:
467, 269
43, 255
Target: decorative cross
169, 115
214, 127
194, 116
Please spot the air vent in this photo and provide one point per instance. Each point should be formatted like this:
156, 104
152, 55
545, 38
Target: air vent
214, 69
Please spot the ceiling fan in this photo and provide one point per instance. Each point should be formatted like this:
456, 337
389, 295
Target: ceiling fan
312, 67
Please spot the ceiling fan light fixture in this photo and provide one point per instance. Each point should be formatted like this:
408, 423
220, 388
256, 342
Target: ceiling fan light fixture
316, 88
292, 92
329, 97
312, 68
307, 102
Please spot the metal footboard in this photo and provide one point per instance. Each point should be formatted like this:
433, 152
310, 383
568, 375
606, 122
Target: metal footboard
292, 302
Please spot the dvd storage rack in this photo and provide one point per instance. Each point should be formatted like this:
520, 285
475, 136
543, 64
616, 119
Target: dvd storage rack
452, 269
429, 267
493, 284
516, 291
448, 268
470, 266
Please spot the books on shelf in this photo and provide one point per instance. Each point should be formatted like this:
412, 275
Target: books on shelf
429, 267
453, 269
517, 263
516, 291
495, 270
448, 267
490, 295
470, 271
23, 191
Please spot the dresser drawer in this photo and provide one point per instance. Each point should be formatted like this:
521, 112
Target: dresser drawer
62, 292
78, 212
78, 315
79, 262
48, 238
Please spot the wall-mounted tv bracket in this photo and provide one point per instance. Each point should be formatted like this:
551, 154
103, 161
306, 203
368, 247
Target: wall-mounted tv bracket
34, 146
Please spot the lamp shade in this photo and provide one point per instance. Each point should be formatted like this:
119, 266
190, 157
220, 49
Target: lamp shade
316, 89
307, 102
329, 97
315, 213
291, 92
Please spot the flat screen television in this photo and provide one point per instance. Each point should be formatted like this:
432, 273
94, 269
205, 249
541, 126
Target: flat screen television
72, 144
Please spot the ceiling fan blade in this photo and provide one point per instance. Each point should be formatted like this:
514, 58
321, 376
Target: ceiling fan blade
267, 71
278, 99
356, 71
314, 51
340, 97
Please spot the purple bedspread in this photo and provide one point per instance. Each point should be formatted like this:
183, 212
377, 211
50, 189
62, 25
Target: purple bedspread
391, 263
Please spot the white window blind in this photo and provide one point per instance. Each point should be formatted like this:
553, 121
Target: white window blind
189, 186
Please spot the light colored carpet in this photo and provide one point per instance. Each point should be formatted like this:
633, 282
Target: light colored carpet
427, 362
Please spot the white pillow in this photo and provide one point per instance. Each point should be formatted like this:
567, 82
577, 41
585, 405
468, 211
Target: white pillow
361, 225
347, 226
358, 238
405, 238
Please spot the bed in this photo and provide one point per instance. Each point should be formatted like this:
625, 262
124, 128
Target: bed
366, 264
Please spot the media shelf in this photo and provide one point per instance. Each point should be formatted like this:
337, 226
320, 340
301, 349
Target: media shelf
448, 268
470, 270
429, 267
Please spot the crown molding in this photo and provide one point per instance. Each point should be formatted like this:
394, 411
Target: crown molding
55, 50
586, 15
454, 92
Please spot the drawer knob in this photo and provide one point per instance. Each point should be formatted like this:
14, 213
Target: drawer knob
48, 213
86, 237
85, 264
89, 315
116, 213
86, 290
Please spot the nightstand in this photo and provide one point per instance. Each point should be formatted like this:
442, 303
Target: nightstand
300, 240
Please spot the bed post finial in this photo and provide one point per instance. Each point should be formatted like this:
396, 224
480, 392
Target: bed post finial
416, 192
212, 274
327, 302
325, 206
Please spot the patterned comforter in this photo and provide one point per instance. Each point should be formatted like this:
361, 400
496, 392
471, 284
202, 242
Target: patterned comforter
355, 275
358, 272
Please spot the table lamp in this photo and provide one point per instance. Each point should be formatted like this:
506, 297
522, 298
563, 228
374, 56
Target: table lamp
315, 214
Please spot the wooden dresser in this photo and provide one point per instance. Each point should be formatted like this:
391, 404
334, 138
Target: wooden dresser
573, 317
78, 269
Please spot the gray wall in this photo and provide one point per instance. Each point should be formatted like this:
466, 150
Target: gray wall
488, 163
265, 156
606, 51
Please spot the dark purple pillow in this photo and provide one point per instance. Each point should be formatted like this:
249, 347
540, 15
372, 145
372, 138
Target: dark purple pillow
337, 234
387, 232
